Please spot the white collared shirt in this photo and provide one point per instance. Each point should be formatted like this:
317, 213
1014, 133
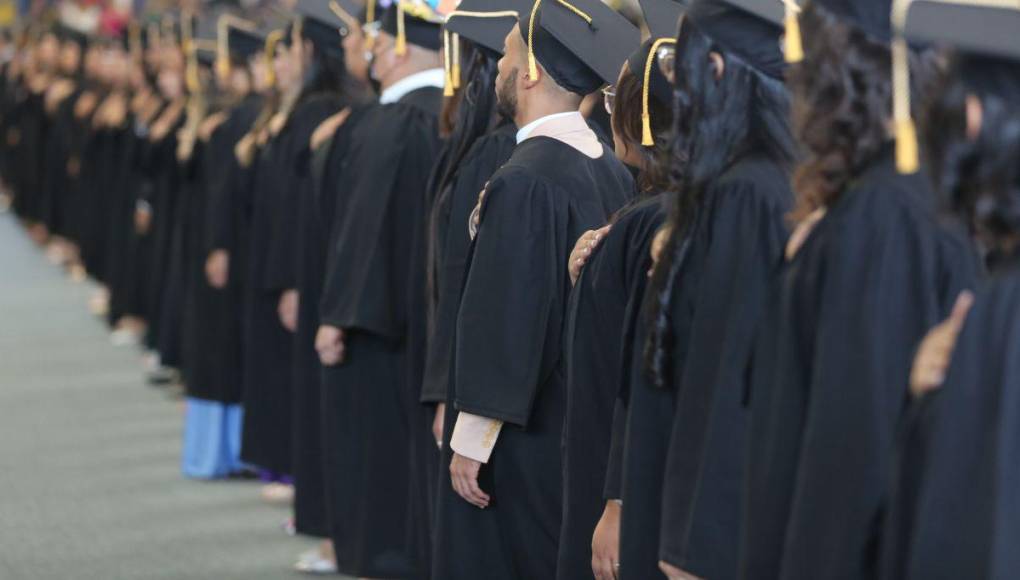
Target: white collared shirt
526, 130
433, 77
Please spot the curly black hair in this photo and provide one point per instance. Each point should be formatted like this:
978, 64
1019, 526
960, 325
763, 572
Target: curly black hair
978, 176
842, 104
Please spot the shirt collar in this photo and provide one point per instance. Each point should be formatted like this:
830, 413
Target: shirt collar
427, 78
528, 129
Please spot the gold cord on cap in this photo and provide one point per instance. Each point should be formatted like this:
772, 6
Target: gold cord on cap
401, 48
448, 83
793, 44
369, 19
532, 63
272, 40
190, 54
456, 60
223, 46
907, 158
647, 139
349, 20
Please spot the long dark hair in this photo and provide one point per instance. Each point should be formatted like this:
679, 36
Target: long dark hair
842, 105
476, 116
717, 122
654, 173
327, 75
978, 178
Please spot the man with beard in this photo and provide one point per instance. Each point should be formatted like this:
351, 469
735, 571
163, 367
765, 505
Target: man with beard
499, 516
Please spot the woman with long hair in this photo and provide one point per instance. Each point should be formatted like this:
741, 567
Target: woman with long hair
953, 515
609, 267
732, 152
867, 272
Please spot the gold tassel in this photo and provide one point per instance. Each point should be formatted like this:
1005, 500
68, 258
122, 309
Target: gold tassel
401, 48
793, 47
907, 158
456, 61
532, 64
272, 40
646, 117
448, 84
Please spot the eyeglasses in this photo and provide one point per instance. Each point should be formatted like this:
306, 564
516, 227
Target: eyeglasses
609, 98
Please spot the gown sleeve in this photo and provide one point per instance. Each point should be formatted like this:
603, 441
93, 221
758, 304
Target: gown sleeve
507, 307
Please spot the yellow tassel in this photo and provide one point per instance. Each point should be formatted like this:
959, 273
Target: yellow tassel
455, 60
532, 64
646, 130
401, 48
646, 116
448, 84
793, 43
907, 159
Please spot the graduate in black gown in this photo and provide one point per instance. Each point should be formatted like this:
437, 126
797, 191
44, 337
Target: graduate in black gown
307, 97
499, 506
711, 288
369, 409
212, 431
954, 508
868, 271
318, 193
615, 261
481, 140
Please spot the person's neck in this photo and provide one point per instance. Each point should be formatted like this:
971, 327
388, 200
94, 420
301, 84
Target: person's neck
403, 72
536, 112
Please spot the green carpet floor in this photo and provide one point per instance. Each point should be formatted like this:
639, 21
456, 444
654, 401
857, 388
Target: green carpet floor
89, 480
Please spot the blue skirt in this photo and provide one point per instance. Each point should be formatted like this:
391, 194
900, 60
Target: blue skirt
212, 439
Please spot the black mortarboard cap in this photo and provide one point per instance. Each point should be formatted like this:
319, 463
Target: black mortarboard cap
205, 39
581, 44
414, 22
991, 29
662, 16
749, 29
66, 33
322, 26
244, 41
872, 17
979, 29
486, 22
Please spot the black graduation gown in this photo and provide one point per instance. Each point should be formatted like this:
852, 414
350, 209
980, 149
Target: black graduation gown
267, 432
873, 276
968, 517
508, 361
320, 193
32, 124
367, 405
210, 329
55, 180
162, 199
121, 262
597, 310
723, 286
434, 312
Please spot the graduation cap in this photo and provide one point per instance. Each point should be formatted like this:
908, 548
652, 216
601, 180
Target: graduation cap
483, 22
238, 37
750, 29
580, 43
205, 40
662, 17
983, 29
322, 26
412, 21
872, 17
66, 33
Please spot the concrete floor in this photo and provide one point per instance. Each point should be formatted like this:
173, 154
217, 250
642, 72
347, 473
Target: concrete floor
89, 480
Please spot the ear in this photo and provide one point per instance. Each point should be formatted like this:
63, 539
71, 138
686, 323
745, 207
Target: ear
975, 116
718, 64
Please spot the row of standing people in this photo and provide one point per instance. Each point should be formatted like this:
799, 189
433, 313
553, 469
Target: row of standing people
696, 367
